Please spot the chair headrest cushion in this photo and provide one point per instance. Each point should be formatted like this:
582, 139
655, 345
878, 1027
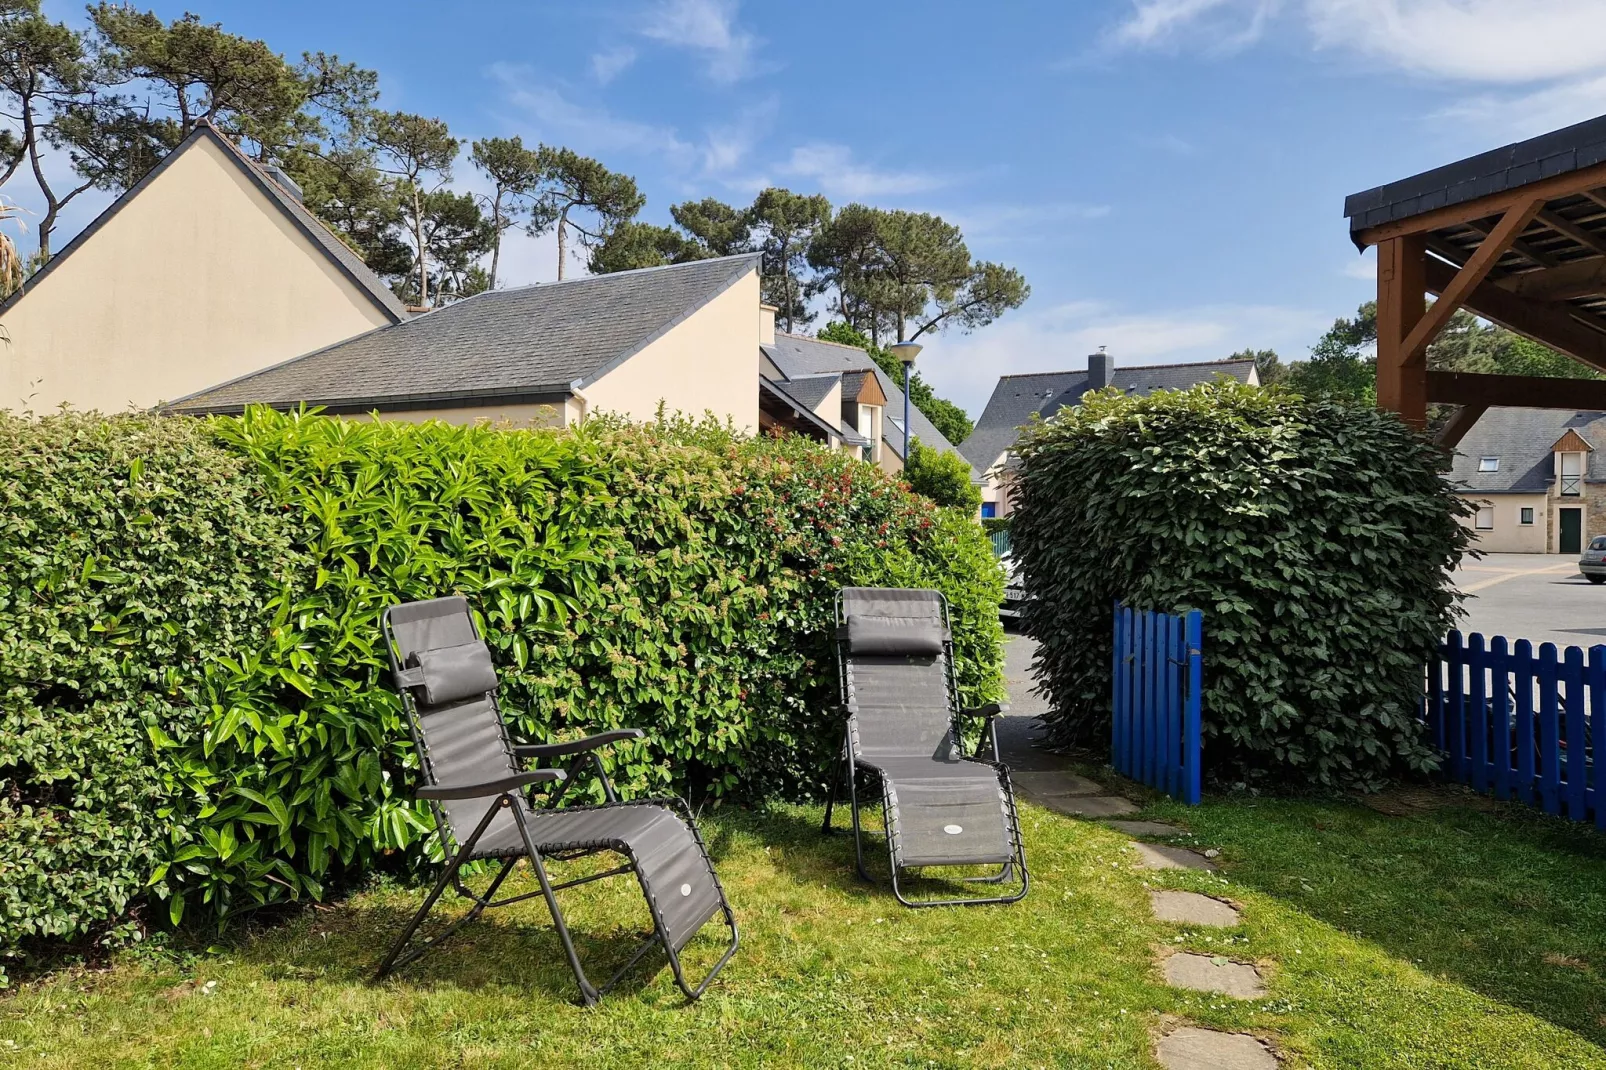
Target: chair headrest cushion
453, 673
870, 633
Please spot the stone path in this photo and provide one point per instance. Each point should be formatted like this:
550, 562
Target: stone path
1042, 778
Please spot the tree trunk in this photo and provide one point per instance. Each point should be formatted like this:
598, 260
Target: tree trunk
496, 247
418, 238
30, 138
563, 231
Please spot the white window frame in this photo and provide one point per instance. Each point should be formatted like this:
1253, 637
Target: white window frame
1484, 511
870, 428
1488, 464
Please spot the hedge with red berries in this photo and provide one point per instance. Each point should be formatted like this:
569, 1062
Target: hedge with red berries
676, 577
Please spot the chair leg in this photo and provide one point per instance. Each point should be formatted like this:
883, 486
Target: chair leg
448, 875
858, 835
588, 993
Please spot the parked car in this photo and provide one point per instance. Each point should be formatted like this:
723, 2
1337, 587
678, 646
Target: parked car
1014, 591
1593, 563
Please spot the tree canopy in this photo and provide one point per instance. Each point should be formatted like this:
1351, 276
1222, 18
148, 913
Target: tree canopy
945, 416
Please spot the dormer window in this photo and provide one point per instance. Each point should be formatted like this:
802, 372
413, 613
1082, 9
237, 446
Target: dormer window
1488, 464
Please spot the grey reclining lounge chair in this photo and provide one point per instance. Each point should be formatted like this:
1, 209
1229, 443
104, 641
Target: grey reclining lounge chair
939, 807
475, 785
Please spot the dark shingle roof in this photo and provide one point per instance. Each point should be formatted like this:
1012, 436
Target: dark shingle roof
348, 262
799, 357
1521, 439
1519, 164
1017, 398
811, 389
525, 342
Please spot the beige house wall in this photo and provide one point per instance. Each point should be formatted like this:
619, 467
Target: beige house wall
196, 280
511, 415
707, 362
1509, 535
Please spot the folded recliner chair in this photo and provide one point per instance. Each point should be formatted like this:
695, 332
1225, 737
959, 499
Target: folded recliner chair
472, 777
940, 807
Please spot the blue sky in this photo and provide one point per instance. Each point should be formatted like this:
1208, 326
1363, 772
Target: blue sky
1169, 174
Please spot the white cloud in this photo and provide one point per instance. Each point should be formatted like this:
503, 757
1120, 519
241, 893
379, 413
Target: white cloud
1021, 222
1474, 40
965, 368
1220, 24
832, 168
1508, 41
1363, 267
707, 27
611, 62
721, 149
1546, 59
1521, 115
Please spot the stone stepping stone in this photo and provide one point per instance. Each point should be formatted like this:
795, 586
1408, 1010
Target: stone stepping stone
1191, 908
1055, 782
1090, 806
1207, 973
1146, 828
1159, 856
1189, 1048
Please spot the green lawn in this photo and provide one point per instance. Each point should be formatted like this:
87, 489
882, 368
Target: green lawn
1453, 938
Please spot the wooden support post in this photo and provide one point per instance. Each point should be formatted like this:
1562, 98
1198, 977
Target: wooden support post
1401, 304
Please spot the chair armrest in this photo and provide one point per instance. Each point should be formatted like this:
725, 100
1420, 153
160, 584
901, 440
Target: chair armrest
991, 709
489, 788
578, 746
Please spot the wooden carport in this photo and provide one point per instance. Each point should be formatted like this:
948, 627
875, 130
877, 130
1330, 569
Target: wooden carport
1516, 236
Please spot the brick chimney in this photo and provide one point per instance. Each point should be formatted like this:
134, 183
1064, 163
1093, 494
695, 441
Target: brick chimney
1100, 369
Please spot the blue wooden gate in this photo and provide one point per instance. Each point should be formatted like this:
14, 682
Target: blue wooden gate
1520, 724
1154, 702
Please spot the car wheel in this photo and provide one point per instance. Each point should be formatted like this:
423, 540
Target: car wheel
1596, 579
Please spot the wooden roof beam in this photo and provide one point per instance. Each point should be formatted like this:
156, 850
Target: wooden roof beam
1553, 325
1457, 426
1581, 278
1521, 248
1523, 391
1562, 225
1469, 278
1584, 180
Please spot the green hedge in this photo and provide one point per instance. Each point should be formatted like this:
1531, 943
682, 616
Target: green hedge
677, 578
1317, 537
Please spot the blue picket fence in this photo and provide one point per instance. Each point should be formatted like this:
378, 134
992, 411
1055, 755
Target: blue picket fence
1000, 540
1520, 724
1155, 700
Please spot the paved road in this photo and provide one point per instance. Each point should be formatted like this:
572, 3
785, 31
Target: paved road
1538, 597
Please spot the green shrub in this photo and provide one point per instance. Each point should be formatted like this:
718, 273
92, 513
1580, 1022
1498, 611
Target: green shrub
677, 578
943, 476
133, 550
1317, 537
992, 525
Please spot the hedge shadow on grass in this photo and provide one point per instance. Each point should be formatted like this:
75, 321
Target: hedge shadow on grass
1508, 902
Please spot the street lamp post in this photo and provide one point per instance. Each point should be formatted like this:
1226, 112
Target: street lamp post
906, 352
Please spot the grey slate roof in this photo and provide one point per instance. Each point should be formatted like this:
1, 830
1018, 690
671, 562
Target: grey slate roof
347, 261
811, 389
1522, 439
800, 357
1017, 398
530, 342
1558, 152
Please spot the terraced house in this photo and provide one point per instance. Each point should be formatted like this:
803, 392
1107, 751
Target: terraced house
1017, 399
1533, 481
208, 287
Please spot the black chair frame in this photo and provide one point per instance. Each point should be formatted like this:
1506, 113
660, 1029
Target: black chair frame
853, 767
503, 795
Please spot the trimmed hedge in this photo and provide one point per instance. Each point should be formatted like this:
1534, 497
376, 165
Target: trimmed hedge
1317, 537
132, 552
678, 578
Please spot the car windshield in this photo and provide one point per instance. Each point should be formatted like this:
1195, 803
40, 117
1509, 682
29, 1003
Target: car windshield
1598, 543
